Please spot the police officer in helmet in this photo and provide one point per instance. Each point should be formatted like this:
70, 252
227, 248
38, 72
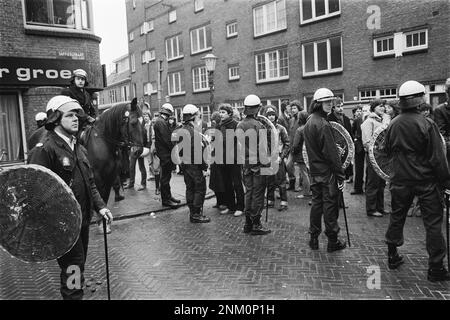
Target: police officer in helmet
420, 169
254, 181
193, 165
327, 175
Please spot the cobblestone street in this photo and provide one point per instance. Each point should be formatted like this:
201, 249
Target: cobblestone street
166, 257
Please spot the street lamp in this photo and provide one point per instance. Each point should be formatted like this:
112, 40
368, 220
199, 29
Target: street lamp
210, 62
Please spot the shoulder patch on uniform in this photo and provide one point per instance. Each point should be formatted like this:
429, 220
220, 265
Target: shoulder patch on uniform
39, 144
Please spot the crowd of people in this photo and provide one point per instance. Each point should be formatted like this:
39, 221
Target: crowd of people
413, 142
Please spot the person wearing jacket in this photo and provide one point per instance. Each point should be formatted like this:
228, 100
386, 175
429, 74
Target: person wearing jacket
194, 171
254, 180
285, 115
327, 175
164, 146
359, 151
278, 180
414, 145
62, 153
297, 152
231, 170
374, 183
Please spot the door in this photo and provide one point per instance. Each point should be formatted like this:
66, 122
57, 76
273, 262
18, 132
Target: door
11, 143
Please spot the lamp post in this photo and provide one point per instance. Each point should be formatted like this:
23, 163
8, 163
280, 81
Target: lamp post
210, 62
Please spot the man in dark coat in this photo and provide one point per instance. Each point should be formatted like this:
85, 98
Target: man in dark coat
194, 165
77, 90
61, 153
231, 171
420, 169
254, 180
327, 175
359, 151
164, 146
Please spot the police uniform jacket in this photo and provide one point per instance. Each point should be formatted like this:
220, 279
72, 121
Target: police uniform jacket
415, 147
83, 97
73, 167
163, 142
250, 152
197, 146
322, 152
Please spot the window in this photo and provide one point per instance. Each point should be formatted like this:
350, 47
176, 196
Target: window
70, 14
144, 28
147, 56
151, 25
125, 93
131, 36
416, 40
200, 39
321, 57
174, 83
272, 65
198, 5
174, 48
148, 88
233, 72
154, 87
200, 79
133, 62
371, 94
313, 10
172, 16
269, 18
232, 29
383, 46
11, 128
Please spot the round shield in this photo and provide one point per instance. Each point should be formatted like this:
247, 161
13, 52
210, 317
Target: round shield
344, 144
379, 160
40, 219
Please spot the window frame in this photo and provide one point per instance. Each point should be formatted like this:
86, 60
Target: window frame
196, 8
131, 36
264, 8
172, 15
82, 12
267, 66
169, 80
202, 89
180, 53
205, 34
383, 53
231, 35
415, 48
133, 62
230, 76
330, 70
313, 11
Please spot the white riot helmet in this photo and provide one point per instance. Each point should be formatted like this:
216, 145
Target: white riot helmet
251, 104
40, 116
411, 94
323, 94
189, 112
167, 109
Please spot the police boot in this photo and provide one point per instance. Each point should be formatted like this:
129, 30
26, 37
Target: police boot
314, 242
438, 274
335, 244
248, 224
258, 228
118, 196
394, 259
198, 217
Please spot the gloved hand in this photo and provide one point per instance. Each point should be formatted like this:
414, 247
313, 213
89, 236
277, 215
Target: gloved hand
106, 214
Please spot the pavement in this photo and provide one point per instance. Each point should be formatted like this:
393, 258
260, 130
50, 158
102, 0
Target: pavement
165, 257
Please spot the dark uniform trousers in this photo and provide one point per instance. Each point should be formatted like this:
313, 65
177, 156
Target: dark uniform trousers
255, 185
431, 206
166, 175
374, 190
195, 187
234, 191
325, 196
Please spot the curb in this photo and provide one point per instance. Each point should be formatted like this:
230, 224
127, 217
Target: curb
144, 213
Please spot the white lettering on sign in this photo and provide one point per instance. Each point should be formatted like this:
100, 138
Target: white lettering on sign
3, 70
25, 74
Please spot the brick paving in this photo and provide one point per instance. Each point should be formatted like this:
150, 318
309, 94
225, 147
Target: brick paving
166, 257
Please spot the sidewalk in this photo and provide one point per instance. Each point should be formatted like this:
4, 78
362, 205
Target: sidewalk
139, 203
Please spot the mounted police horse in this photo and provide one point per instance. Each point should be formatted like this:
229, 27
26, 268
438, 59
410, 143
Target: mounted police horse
116, 127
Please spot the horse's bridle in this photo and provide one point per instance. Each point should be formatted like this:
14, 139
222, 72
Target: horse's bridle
127, 142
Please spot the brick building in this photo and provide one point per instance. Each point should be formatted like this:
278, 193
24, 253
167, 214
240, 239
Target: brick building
42, 42
286, 49
118, 83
